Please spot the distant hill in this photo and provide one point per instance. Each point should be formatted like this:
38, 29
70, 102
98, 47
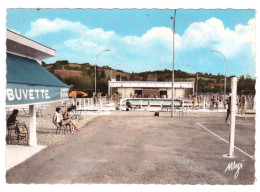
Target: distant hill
86, 71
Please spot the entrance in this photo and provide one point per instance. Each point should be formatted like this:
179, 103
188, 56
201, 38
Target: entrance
138, 93
163, 94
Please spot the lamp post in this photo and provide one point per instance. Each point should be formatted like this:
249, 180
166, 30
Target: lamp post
196, 81
225, 70
173, 32
120, 72
96, 69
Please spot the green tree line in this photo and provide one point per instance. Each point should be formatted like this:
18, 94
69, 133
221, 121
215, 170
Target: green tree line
207, 82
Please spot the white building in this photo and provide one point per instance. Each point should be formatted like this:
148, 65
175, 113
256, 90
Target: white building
150, 89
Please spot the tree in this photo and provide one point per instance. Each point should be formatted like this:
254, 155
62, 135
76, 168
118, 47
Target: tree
132, 76
102, 74
57, 66
218, 78
161, 78
124, 78
118, 77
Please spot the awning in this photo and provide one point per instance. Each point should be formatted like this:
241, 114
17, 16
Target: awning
28, 83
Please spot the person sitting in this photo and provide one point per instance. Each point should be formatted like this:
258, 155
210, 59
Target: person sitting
12, 123
59, 121
66, 115
128, 104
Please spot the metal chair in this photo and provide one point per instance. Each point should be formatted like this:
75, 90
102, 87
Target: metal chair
64, 127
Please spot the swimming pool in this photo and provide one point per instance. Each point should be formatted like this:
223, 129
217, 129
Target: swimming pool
150, 101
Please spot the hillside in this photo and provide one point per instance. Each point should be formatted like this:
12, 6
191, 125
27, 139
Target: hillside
206, 82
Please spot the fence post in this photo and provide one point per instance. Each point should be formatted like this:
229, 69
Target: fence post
79, 103
100, 103
204, 103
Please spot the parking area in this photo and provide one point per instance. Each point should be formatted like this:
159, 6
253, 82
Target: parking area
137, 147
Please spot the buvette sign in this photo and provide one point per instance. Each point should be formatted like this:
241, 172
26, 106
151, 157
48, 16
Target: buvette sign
23, 94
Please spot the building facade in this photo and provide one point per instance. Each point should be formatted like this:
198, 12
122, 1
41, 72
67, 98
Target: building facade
150, 89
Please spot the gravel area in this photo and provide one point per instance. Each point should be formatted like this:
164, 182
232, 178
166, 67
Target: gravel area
46, 130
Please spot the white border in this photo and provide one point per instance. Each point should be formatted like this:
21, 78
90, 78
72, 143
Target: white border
168, 4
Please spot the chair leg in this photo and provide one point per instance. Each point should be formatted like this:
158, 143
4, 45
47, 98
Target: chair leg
58, 130
9, 134
67, 128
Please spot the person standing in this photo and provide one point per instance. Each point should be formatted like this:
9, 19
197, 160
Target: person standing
228, 103
243, 105
193, 102
217, 102
212, 103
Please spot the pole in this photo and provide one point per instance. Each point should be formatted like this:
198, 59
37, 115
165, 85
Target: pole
95, 76
120, 73
197, 77
197, 89
225, 77
225, 70
32, 126
96, 69
172, 103
232, 117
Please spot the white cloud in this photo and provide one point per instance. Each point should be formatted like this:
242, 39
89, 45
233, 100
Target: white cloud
213, 34
43, 26
155, 46
80, 44
99, 34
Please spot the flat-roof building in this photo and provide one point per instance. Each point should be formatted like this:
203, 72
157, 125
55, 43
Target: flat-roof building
150, 89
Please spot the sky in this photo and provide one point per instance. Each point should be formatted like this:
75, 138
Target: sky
142, 39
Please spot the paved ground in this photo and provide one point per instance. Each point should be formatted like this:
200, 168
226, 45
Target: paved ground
16, 154
136, 147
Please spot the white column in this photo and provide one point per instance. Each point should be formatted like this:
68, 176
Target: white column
84, 102
233, 116
100, 103
88, 101
32, 126
204, 103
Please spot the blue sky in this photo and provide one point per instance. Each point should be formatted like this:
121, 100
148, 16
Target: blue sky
141, 39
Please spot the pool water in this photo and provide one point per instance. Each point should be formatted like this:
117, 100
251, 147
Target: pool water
152, 102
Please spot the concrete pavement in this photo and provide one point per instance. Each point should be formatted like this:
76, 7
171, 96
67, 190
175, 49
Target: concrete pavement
129, 148
16, 154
